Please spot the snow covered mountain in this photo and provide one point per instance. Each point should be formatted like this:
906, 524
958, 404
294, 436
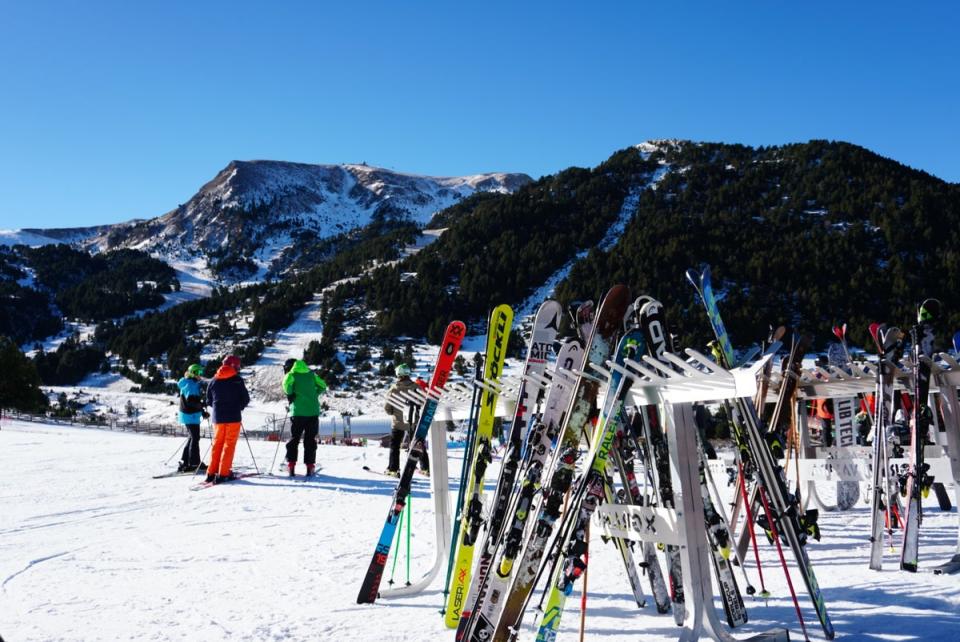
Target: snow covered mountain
255, 212
51, 236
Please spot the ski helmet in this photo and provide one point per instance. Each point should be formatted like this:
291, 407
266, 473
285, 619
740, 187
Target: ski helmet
403, 370
288, 365
195, 370
232, 361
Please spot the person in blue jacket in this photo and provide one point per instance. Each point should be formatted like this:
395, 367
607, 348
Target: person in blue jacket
191, 410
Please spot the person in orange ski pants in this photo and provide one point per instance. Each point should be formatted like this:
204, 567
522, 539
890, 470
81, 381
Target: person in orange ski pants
227, 396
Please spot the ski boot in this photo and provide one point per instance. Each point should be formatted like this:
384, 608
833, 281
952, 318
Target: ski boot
211, 478
311, 470
291, 465
184, 467
225, 478
809, 523
391, 473
775, 442
764, 524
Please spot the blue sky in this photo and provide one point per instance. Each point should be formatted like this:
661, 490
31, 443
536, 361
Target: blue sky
110, 111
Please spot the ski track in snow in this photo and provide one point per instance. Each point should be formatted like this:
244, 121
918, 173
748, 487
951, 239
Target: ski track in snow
91, 548
627, 211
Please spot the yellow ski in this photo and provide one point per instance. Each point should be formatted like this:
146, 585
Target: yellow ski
501, 320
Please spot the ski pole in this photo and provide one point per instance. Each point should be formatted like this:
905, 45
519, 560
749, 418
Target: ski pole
409, 508
207, 451
772, 518
279, 441
397, 536
748, 516
583, 591
178, 450
718, 501
249, 447
464, 471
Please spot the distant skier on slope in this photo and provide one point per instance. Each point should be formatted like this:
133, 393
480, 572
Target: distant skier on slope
824, 411
402, 424
303, 389
190, 413
228, 396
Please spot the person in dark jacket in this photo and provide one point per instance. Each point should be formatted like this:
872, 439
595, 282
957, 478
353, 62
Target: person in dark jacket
403, 423
303, 389
227, 396
191, 410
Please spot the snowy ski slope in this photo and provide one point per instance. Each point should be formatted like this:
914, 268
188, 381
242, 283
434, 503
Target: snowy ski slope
92, 548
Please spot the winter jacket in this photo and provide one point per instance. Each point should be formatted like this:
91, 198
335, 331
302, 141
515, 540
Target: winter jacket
404, 385
227, 396
191, 400
303, 388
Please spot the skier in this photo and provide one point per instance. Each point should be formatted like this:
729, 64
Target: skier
303, 389
862, 423
228, 396
191, 410
824, 412
402, 425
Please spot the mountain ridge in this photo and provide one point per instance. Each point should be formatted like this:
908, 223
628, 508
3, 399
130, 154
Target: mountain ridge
259, 218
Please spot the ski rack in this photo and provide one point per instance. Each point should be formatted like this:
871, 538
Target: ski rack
457, 395
853, 463
440, 484
451, 395
844, 462
696, 380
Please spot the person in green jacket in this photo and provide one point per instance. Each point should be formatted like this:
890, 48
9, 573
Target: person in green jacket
303, 389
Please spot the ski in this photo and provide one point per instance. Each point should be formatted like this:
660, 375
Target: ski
176, 473
881, 498
370, 588
367, 469
623, 546
948, 568
943, 498
210, 484
918, 481
622, 457
501, 320
624, 461
647, 429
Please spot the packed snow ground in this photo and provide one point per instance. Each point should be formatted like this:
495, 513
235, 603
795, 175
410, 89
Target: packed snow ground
92, 548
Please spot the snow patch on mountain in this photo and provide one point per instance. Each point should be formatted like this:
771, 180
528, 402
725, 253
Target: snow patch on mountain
648, 147
627, 211
22, 237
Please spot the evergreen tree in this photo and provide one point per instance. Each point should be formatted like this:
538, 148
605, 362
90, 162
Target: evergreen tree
20, 383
